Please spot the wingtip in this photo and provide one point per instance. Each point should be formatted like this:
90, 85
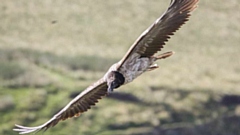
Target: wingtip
24, 130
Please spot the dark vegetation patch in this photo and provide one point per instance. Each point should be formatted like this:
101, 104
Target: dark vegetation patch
125, 97
10, 69
6, 103
125, 126
229, 100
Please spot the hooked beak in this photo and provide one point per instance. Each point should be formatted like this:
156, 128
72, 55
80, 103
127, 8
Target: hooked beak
110, 87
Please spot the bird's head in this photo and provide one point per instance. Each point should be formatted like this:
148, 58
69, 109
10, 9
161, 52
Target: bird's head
114, 80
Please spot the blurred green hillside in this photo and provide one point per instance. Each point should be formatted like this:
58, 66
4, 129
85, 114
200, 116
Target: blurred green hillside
51, 50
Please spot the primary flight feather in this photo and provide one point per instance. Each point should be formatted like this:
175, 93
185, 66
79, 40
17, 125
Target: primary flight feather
139, 59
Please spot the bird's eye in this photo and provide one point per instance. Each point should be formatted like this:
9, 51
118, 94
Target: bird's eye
115, 84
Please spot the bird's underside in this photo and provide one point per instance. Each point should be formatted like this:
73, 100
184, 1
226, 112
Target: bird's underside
139, 58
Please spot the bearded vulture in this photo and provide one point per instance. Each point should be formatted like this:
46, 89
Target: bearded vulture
138, 59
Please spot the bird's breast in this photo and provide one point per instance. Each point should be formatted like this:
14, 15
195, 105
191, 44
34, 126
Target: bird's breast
134, 67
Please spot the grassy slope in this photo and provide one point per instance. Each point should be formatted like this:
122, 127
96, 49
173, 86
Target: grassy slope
45, 47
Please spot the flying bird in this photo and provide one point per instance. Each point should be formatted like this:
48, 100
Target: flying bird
138, 59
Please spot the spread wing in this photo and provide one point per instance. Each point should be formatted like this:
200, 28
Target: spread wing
78, 105
152, 40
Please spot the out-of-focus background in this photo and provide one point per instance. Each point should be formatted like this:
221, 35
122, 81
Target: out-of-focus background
51, 50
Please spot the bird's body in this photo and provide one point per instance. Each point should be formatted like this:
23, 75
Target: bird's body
139, 59
133, 67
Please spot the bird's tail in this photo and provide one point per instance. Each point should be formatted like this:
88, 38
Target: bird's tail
164, 55
161, 56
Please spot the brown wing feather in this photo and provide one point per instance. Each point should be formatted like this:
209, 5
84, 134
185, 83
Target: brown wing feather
78, 105
153, 39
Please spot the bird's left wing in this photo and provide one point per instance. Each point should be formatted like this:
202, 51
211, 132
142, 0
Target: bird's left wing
152, 40
78, 105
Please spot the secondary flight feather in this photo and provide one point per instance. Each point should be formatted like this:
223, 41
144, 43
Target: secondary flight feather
139, 59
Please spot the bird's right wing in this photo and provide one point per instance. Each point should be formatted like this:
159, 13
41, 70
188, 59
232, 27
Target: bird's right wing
78, 105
